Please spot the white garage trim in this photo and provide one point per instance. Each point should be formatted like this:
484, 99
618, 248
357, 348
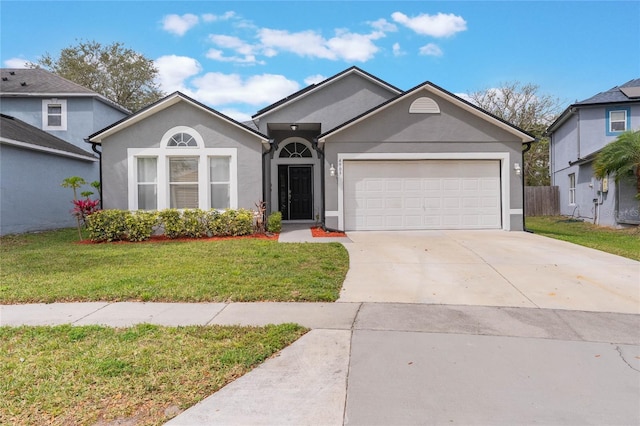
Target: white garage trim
503, 157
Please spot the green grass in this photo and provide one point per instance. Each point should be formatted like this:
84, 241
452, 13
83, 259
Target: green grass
623, 242
54, 267
144, 374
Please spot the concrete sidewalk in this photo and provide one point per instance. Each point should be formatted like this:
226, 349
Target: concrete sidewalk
384, 363
568, 325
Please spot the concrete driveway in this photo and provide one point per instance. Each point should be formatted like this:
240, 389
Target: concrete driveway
488, 268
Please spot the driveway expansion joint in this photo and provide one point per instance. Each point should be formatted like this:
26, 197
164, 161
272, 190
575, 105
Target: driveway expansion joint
619, 350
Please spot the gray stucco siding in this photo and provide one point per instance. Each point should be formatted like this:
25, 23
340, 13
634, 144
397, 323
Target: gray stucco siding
453, 131
148, 133
35, 201
395, 123
336, 103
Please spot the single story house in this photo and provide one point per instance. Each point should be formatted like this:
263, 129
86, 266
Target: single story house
352, 152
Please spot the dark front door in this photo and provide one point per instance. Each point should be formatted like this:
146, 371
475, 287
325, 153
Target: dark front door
295, 193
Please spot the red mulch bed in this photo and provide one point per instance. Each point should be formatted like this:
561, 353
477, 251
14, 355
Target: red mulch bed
162, 238
316, 231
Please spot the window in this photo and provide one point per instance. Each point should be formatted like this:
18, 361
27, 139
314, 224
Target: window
183, 182
295, 150
147, 183
54, 114
182, 174
220, 182
617, 120
572, 189
182, 139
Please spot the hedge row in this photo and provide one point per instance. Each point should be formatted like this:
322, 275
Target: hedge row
117, 225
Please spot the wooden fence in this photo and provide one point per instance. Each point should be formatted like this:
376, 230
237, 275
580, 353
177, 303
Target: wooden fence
541, 200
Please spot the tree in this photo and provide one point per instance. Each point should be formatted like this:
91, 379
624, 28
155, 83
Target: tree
522, 105
114, 71
620, 158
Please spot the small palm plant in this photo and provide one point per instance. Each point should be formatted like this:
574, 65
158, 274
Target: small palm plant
82, 207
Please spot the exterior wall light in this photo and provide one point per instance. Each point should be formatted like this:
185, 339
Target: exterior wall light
516, 167
294, 127
332, 171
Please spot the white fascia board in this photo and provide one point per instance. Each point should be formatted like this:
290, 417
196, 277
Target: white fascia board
469, 108
53, 151
524, 137
322, 86
164, 104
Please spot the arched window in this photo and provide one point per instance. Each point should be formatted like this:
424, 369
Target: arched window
295, 150
182, 173
182, 139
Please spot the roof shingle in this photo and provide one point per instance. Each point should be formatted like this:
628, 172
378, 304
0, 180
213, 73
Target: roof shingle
16, 130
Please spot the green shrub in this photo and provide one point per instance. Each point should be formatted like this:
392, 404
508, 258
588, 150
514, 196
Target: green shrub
140, 225
171, 222
114, 225
231, 223
194, 223
274, 222
107, 225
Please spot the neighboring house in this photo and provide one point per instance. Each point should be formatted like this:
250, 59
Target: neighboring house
352, 152
577, 136
45, 121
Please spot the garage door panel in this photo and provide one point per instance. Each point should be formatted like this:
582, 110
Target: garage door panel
426, 194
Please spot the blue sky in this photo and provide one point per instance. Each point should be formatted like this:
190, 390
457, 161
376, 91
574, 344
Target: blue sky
239, 56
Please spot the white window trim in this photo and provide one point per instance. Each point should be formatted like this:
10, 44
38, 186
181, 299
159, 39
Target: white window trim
163, 155
45, 114
611, 121
572, 189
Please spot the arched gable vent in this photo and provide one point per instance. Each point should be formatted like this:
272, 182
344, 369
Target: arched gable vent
424, 105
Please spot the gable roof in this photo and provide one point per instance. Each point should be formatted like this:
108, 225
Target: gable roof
317, 86
163, 104
628, 92
38, 82
18, 133
439, 91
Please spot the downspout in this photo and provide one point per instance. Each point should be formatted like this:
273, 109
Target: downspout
94, 148
272, 147
524, 212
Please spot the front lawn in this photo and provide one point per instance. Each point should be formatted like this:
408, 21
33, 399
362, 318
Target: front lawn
54, 267
142, 375
623, 242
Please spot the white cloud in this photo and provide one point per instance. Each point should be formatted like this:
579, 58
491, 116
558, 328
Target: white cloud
314, 79
431, 49
210, 17
344, 45
304, 43
353, 47
179, 25
240, 116
440, 25
397, 50
383, 25
174, 70
466, 97
220, 89
218, 55
16, 63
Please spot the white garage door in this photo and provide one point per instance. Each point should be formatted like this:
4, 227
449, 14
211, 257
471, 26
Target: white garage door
425, 194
